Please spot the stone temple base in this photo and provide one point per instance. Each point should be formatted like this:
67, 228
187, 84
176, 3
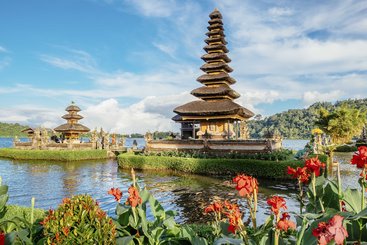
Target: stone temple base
215, 146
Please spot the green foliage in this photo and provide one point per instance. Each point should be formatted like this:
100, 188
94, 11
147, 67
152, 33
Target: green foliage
279, 155
13, 211
78, 220
54, 155
134, 228
12, 129
343, 123
346, 148
257, 168
3, 200
298, 123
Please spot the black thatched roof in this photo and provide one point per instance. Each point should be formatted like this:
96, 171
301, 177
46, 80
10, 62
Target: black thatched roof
212, 108
71, 116
217, 66
222, 47
221, 90
64, 128
215, 26
72, 107
215, 14
215, 56
213, 39
215, 21
222, 76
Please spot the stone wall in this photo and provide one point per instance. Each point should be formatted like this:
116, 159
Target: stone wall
220, 146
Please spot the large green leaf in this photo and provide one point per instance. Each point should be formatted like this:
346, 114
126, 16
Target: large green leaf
331, 197
228, 240
3, 189
352, 199
156, 208
127, 240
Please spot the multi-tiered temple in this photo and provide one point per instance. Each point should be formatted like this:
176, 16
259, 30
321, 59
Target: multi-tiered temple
215, 114
214, 123
72, 129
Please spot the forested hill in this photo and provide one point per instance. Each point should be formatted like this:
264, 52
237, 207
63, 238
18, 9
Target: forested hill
297, 123
12, 129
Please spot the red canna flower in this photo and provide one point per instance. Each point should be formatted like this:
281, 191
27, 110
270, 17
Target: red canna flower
313, 165
337, 229
334, 229
284, 224
116, 192
300, 173
234, 216
276, 203
66, 231
2, 238
134, 199
214, 207
245, 184
360, 157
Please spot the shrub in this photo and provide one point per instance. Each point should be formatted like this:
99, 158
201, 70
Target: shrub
210, 166
346, 148
78, 220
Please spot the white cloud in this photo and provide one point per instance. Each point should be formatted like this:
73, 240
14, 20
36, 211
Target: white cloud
156, 8
310, 97
3, 50
280, 12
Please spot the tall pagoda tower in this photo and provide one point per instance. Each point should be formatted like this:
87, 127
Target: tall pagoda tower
215, 113
72, 129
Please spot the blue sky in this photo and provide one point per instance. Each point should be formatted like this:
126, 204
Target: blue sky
128, 63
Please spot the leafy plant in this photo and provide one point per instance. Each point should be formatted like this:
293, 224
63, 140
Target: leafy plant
78, 220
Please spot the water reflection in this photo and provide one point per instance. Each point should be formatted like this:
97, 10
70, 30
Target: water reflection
50, 182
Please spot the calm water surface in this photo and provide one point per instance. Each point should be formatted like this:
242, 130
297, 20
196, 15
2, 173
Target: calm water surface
50, 182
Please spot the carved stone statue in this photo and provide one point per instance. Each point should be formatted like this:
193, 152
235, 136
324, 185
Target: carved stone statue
148, 136
244, 132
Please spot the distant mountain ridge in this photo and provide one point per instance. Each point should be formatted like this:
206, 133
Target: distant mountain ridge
12, 129
298, 123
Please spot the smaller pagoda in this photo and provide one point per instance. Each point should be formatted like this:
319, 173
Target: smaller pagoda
72, 129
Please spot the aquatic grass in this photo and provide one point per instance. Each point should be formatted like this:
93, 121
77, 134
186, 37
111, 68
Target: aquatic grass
217, 166
54, 155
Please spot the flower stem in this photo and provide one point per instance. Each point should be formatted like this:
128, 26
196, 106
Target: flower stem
363, 188
339, 187
276, 232
300, 196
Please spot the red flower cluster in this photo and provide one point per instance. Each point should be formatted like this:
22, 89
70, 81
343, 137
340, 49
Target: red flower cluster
245, 184
116, 192
230, 210
284, 224
334, 229
2, 238
276, 203
313, 165
216, 207
134, 198
360, 158
300, 173
234, 216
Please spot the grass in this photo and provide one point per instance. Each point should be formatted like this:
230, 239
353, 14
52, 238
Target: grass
257, 168
54, 155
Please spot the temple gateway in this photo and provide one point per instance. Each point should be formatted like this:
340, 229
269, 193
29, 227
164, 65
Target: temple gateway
214, 122
215, 114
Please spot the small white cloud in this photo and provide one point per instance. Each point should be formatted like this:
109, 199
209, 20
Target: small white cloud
157, 8
310, 97
3, 50
280, 12
168, 49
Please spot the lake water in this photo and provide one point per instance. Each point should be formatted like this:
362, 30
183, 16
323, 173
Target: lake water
50, 182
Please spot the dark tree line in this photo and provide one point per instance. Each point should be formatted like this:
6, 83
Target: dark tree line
298, 123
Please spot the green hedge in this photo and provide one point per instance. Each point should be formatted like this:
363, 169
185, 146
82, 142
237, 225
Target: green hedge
258, 168
346, 148
22, 212
54, 155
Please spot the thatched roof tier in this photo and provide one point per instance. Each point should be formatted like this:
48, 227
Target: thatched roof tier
220, 77
212, 108
72, 116
213, 39
218, 91
215, 14
215, 21
72, 107
215, 32
216, 66
215, 56
64, 128
215, 26
221, 47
